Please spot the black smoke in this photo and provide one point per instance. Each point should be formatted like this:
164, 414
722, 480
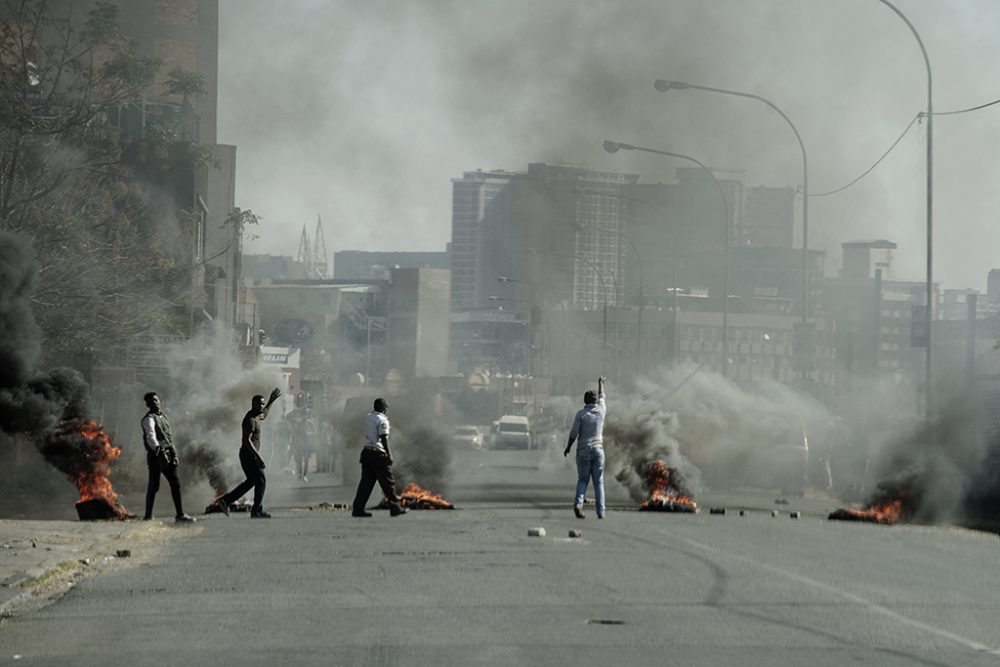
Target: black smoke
423, 453
205, 462
942, 469
641, 434
38, 405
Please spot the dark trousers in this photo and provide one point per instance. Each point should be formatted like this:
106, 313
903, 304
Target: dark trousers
170, 472
374, 468
253, 468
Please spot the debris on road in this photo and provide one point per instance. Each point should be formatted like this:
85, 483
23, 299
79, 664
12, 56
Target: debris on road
326, 505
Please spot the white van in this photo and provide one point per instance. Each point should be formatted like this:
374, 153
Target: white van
512, 432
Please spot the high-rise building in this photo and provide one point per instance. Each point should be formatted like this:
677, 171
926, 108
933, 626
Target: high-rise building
550, 230
472, 197
993, 286
418, 325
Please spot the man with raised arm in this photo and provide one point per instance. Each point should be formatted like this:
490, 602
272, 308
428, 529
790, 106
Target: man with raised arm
250, 459
588, 427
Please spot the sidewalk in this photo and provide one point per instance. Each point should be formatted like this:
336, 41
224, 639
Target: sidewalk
40, 560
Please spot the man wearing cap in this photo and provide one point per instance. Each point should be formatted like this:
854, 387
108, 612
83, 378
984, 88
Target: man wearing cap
376, 463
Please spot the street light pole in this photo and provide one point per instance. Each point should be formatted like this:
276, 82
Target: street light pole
664, 85
614, 147
562, 307
929, 315
528, 353
600, 277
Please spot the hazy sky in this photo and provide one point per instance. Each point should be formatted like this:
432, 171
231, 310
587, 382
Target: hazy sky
363, 111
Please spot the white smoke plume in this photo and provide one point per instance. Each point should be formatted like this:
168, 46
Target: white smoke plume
704, 427
207, 414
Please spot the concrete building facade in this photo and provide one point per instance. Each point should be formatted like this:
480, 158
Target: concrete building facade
418, 323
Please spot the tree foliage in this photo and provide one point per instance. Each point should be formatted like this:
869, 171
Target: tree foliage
72, 177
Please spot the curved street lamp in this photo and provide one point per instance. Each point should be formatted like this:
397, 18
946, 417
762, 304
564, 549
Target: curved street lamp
664, 85
929, 315
614, 147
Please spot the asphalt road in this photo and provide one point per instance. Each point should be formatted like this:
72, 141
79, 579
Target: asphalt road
470, 586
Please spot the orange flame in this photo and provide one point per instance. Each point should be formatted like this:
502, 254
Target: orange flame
97, 452
663, 493
888, 512
415, 497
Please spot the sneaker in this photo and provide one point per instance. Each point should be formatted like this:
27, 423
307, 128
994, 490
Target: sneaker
600, 516
260, 515
362, 514
579, 513
397, 510
184, 518
222, 506
304, 478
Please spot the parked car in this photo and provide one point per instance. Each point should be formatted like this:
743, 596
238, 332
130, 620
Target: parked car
468, 437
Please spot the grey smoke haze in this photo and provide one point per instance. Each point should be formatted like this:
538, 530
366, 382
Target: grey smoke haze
363, 112
684, 415
943, 473
207, 418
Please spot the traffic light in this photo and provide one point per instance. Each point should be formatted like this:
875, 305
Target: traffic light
300, 399
309, 401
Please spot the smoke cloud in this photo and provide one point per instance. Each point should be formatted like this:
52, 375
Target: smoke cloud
944, 471
461, 86
214, 392
48, 408
707, 430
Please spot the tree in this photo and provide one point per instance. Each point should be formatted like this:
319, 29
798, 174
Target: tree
72, 177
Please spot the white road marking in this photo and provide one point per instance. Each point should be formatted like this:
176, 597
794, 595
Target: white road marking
885, 611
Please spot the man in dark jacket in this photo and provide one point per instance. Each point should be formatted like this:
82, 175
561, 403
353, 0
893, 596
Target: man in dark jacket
161, 457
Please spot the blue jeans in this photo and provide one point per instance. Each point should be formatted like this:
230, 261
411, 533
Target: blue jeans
590, 465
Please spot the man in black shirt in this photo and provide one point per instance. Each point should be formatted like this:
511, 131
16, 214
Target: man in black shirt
250, 459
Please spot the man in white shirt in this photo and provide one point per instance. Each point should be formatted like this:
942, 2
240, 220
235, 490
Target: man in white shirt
588, 426
161, 457
376, 463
